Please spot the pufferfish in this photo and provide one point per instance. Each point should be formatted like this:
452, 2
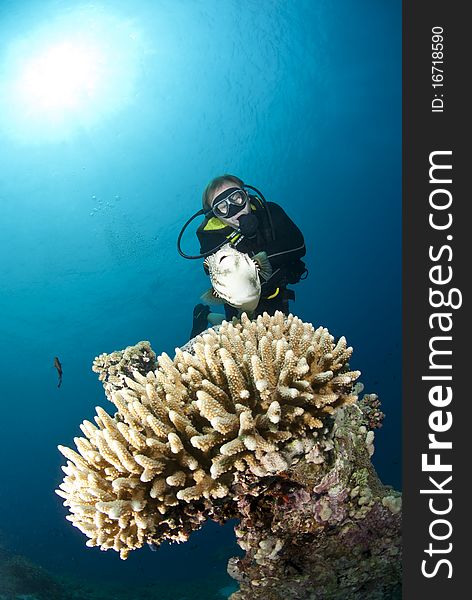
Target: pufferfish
235, 278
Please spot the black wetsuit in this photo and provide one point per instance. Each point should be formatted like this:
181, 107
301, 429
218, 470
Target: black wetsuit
284, 251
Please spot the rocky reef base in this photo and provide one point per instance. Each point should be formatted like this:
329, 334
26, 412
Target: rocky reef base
328, 529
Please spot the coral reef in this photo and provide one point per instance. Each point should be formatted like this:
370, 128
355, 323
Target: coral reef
113, 368
327, 530
255, 420
370, 406
22, 579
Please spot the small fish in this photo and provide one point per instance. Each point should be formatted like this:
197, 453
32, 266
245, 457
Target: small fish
235, 278
58, 366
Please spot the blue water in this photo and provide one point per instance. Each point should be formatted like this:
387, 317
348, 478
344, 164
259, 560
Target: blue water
301, 99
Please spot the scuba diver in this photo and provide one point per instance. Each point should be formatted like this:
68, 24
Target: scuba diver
252, 225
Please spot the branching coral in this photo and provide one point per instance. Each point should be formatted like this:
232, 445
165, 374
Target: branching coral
246, 402
113, 368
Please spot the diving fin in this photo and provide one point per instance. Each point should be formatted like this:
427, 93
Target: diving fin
263, 264
209, 298
215, 318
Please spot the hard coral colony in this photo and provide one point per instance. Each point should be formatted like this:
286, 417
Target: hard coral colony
254, 420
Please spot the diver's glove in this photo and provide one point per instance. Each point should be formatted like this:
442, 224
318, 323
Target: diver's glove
200, 319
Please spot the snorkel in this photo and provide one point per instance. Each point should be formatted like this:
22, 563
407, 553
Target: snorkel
247, 224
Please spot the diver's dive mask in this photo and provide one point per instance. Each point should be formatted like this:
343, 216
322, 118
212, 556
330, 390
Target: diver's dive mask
229, 203
232, 207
